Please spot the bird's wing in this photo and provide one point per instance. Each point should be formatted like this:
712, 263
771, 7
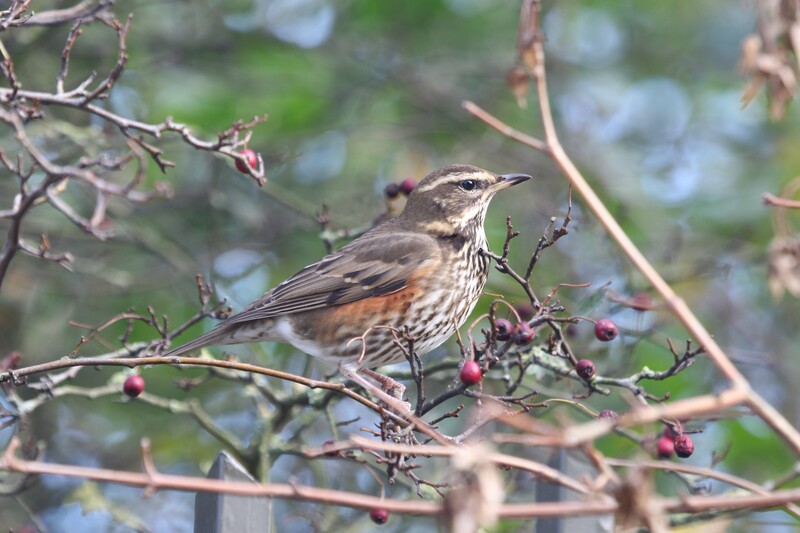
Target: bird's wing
374, 265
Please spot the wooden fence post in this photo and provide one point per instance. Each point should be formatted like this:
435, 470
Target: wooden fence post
227, 513
575, 466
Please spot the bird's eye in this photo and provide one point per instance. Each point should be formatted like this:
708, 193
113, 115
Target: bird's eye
468, 185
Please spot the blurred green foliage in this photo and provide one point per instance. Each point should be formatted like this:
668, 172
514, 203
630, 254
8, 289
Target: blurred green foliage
363, 93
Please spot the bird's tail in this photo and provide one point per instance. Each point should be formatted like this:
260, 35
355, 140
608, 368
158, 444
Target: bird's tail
214, 337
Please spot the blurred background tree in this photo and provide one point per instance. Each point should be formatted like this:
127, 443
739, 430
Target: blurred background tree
361, 94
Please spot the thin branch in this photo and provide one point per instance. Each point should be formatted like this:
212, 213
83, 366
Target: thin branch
777, 201
669, 466
63, 260
74, 33
17, 376
116, 71
154, 481
540, 470
87, 9
504, 128
157, 481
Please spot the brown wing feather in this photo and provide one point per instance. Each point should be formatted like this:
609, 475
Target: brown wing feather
378, 263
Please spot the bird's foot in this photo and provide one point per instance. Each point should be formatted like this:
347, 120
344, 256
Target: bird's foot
398, 409
390, 392
390, 386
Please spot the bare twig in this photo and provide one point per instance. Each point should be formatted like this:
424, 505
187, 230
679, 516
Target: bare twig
20, 376
771, 199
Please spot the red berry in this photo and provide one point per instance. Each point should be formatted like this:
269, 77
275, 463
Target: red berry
503, 328
585, 368
332, 453
133, 386
608, 413
523, 334
684, 447
471, 373
379, 516
392, 190
665, 447
605, 330
407, 185
252, 161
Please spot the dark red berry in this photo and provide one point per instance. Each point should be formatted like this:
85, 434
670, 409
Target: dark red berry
471, 373
252, 161
379, 516
331, 453
524, 310
585, 368
407, 185
605, 330
684, 447
665, 447
503, 328
640, 302
523, 334
392, 190
609, 414
133, 386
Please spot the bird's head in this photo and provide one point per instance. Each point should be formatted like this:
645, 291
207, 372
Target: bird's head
454, 198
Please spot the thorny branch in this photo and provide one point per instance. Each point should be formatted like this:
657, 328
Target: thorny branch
154, 480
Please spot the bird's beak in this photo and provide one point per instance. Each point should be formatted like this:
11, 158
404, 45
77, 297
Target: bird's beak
507, 180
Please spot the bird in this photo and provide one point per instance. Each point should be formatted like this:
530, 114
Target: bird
420, 272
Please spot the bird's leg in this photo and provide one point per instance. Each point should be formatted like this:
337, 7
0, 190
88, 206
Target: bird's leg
391, 386
400, 407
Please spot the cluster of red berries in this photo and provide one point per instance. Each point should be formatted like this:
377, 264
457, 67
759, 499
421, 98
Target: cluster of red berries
674, 443
520, 334
394, 189
668, 444
523, 334
604, 330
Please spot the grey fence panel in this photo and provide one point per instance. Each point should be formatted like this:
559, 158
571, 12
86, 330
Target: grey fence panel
575, 466
227, 513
